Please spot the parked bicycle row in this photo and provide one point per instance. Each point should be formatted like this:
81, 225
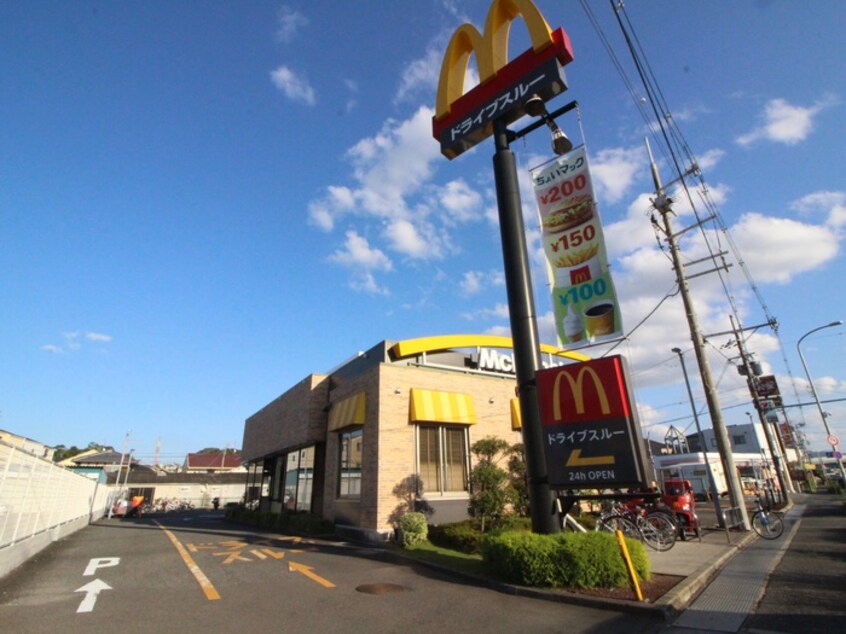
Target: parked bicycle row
660, 519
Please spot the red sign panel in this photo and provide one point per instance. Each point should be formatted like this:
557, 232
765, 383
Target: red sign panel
591, 435
591, 391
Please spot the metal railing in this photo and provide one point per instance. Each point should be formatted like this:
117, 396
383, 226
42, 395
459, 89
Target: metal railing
37, 496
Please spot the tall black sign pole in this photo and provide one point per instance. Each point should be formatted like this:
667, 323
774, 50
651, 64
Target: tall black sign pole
524, 328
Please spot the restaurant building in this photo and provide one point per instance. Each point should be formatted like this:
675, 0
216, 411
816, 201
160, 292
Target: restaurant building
386, 432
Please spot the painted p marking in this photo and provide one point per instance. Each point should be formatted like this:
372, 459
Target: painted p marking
100, 562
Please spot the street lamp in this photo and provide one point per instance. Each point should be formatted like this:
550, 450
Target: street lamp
832, 440
715, 494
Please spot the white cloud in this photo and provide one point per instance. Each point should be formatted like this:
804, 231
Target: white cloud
358, 253
784, 123
472, 282
634, 231
461, 202
391, 167
320, 215
72, 341
614, 171
290, 22
407, 238
710, 159
833, 204
778, 249
294, 87
498, 311
364, 281
96, 336
420, 76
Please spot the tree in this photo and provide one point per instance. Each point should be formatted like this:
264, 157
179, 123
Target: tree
61, 452
489, 482
518, 480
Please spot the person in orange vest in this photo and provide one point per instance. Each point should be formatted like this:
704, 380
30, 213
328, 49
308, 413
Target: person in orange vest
135, 506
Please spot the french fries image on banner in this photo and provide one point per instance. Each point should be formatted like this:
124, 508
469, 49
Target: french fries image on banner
577, 257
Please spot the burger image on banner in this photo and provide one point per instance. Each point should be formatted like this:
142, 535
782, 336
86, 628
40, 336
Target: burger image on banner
577, 211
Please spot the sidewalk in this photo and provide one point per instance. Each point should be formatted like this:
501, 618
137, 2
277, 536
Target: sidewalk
736, 585
699, 562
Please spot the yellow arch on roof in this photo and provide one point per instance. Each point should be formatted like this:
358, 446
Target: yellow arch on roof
412, 347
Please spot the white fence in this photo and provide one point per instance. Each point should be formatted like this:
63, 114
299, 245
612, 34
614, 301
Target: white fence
41, 503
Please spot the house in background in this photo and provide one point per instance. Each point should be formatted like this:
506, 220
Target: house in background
27, 445
214, 462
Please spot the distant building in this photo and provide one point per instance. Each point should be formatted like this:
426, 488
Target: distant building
106, 460
27, 445
214, 462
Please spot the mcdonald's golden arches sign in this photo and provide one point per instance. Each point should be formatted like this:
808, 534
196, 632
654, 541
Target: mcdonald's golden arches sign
590, 427
462, 120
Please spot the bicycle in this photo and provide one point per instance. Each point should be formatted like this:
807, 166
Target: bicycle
654, 528
767, 523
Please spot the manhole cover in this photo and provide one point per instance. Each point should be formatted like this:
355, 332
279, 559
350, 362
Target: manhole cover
380, 588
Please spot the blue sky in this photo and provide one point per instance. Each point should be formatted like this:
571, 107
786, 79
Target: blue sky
202, 203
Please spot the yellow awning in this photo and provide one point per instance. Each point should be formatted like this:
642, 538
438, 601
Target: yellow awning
434, 406
516, 415
348, 412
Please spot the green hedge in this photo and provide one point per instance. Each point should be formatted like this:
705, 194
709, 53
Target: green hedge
466, 536
580, 560
461, 536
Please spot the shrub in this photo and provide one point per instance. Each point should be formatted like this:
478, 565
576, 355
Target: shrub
597, 561
309, 524
584, 560
524, 558
413, 529
463, 536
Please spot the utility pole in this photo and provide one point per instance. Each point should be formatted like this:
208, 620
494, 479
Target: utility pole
712, 485
120, 467
663, 204
752, 381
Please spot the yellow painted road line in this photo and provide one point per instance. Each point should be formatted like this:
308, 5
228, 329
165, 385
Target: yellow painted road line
207, 586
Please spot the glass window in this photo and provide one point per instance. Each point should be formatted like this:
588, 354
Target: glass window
442, 459
305, 479
293, 479
349, 469
276, 486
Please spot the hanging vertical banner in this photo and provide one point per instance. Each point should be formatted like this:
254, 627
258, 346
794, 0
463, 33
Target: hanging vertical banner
583, 296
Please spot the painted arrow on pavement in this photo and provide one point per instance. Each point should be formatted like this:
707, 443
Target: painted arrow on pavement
307, 571
91, 590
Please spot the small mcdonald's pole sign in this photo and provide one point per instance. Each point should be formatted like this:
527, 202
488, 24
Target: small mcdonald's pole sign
590, 428
463, 120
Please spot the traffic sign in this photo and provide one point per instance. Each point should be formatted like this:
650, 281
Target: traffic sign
833, 440
837, 455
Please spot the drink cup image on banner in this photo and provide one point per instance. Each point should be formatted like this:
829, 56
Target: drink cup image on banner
599, 319
587, 312
584, 299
